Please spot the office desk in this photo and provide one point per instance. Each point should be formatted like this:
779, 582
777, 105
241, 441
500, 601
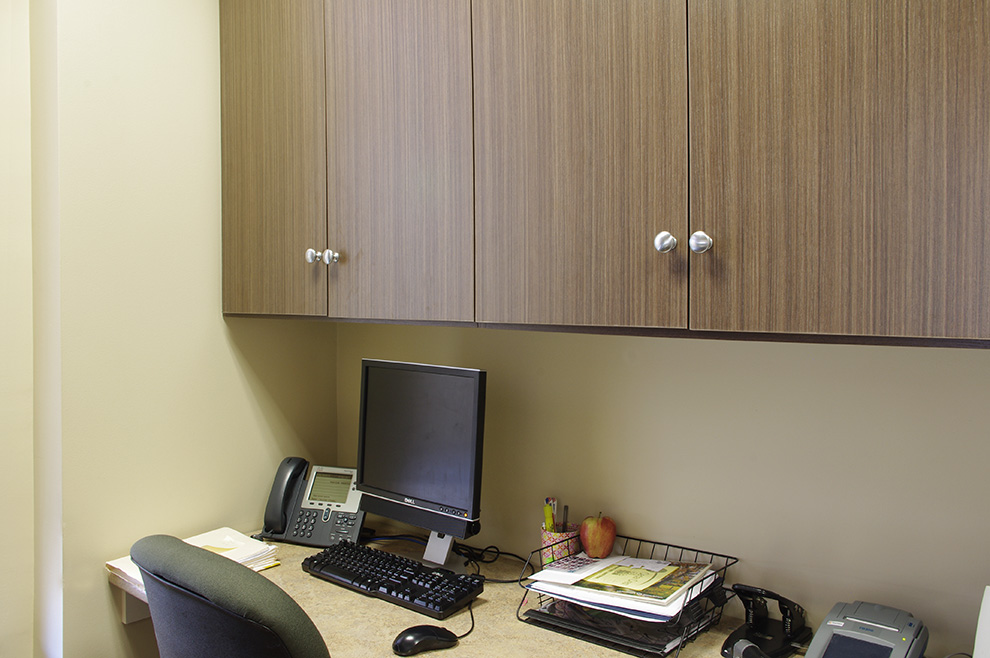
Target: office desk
359, 626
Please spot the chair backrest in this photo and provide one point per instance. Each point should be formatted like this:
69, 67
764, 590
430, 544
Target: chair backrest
203, 604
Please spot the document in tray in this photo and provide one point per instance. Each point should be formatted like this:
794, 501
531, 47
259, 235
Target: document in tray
629, 606
630, 575
660, 582
573, 568
633, 633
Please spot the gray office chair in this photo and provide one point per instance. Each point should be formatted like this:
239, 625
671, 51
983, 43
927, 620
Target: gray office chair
203, 604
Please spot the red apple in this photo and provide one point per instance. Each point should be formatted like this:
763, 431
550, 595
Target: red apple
597, 535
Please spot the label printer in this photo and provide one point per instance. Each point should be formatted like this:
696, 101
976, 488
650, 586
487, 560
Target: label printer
868, 630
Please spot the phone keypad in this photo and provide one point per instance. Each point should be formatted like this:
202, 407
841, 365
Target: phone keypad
305, 523
343, 526
321, 527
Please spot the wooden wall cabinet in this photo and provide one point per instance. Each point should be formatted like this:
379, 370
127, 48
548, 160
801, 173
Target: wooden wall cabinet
274, 165
514, 162
840, 159
347, 130
837, 153
581, 151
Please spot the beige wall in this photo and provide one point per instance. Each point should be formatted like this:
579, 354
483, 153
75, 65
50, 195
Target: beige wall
171, 418
16, 380
834, 473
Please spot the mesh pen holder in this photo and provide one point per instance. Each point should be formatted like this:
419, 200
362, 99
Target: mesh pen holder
557, 545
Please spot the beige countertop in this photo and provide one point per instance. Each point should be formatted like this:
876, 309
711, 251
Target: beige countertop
356, 625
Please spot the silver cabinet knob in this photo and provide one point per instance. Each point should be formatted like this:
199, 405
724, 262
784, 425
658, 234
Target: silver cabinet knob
664, 242
700, 242
328, 256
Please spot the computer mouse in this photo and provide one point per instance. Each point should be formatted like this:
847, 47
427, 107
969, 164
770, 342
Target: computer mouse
422, 638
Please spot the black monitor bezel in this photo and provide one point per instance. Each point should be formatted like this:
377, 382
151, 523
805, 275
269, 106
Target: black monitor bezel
431, 515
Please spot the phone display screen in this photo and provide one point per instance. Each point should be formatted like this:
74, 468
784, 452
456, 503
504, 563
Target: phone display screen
330, 487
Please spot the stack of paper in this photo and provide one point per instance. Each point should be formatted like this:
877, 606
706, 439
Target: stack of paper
231, 544
240, 548
650, 590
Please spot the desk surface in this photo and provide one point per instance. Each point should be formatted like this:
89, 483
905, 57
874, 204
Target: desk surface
359, 626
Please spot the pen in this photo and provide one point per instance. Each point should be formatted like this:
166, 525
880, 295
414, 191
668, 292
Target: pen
548, 517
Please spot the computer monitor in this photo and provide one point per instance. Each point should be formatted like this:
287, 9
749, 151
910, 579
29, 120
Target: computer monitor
420, 446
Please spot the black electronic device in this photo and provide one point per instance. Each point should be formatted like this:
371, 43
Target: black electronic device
415, 639
420, 440
774, 638
319, 510
432, 591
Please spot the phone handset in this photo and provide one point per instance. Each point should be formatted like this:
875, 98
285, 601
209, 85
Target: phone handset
792, 615
760, 636
290, 471
757, 613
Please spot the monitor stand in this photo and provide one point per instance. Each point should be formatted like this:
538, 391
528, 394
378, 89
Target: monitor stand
438, 553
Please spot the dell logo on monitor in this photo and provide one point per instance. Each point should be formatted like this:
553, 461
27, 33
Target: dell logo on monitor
410, 501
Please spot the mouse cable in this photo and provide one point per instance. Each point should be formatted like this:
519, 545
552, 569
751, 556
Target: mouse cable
470, 607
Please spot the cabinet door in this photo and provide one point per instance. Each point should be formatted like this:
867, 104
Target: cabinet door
400, 159
581, 151
839, 161
273, 142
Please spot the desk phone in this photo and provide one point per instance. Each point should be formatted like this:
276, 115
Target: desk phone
320, 510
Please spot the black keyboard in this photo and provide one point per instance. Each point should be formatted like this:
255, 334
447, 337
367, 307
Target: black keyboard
433, 591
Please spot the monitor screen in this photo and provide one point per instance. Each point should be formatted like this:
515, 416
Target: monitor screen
420, 445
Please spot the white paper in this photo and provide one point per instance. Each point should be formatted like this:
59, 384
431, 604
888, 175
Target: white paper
624, 605
231, 544
561, 572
